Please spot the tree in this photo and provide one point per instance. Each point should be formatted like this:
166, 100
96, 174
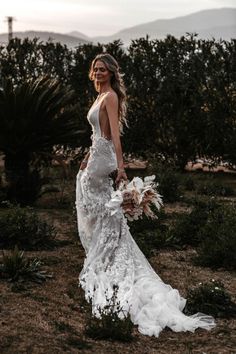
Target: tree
34, 116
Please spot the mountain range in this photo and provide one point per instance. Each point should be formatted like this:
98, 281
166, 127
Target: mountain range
70, 41
216, 23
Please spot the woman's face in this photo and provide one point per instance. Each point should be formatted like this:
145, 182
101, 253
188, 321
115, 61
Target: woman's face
101, 73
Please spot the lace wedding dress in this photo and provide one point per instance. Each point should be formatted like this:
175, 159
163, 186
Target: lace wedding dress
112, 255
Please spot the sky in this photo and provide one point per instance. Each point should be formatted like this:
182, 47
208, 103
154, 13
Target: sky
96, 17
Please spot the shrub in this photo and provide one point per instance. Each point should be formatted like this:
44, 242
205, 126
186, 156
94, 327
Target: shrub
149, 234
210, 298
22, 227
113, 323
151, 240
215, 188
218, 235
186, 230
16, 267
169, 186
168, 178
188, 183
146, 223
172, 114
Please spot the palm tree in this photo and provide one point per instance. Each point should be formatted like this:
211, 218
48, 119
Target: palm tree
34, 117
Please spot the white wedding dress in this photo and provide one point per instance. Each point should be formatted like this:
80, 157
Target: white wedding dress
112, 255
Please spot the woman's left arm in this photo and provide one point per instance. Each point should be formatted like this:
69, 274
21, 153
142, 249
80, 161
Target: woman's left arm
111, 102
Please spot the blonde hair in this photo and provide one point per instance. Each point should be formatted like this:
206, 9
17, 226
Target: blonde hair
117, 83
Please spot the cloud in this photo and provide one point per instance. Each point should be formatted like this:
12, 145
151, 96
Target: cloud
95, 17
225, 3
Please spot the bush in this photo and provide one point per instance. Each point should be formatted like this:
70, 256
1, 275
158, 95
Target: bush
169, 186
218, 235
113, 323
215, 188
16, 267
168, 179
151, 240
172, 114
186, 231
188, 183
149, 234
22, 227
210, 298
146, 223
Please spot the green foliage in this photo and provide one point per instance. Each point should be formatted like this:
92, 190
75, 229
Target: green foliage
186, 101
181, 93
188, 183
16, 267
169, 180
112, 323
169, 186
146, 223
34, 116
22, 227
151, 240
150, 234
215, 188
25, 59
218, 235
186, 230
212, 299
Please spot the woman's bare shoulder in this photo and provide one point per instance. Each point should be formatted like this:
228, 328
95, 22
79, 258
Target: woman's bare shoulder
111, 97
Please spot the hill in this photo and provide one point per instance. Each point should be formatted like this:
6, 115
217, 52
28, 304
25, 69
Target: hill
70, 41
217, 23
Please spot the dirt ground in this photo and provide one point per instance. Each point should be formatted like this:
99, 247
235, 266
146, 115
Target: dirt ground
50, 318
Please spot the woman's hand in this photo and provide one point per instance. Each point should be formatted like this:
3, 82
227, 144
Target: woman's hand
83, 165
121, 175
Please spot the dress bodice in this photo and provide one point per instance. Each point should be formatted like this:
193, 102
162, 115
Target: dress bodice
102, 156
93, 118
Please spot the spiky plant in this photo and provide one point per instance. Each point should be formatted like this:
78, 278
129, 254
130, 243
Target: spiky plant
15, 266
34, 116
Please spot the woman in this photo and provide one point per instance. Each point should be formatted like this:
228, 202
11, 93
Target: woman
112, 256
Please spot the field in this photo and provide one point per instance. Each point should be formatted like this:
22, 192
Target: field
51, 317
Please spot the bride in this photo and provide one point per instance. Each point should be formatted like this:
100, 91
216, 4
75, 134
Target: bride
112, 256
